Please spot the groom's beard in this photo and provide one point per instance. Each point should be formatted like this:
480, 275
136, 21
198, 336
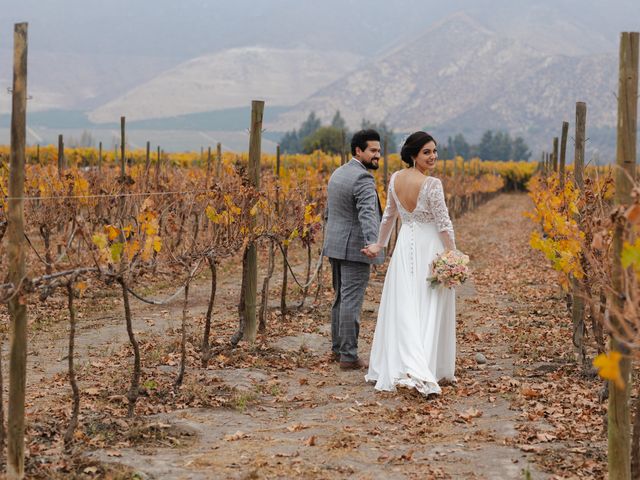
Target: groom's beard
370, 165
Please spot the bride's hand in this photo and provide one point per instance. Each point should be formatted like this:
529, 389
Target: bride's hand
371, 250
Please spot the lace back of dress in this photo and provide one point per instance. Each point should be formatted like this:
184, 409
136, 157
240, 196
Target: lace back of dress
422, 213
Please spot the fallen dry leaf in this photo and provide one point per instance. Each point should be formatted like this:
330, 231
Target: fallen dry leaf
530, 393
297, 427
236, 436
545, 437
470, 413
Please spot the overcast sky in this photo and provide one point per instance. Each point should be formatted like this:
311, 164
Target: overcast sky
187, 28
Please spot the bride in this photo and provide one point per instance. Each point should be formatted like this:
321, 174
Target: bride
414, 342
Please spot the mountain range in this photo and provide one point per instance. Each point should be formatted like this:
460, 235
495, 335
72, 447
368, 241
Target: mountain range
461, 77
463, 67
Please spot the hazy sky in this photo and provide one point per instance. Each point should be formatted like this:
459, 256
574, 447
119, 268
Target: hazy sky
187, 28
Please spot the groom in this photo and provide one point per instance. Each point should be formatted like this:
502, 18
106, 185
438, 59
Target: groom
353, 219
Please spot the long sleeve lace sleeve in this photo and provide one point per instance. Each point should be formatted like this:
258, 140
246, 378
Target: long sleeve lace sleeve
440, 212
388, 219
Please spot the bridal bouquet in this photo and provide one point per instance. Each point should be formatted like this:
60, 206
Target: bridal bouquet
449, 269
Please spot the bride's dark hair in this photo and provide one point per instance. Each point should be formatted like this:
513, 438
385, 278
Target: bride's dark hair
413, 144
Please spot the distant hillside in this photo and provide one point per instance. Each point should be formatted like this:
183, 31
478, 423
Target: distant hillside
231, 119
461, 77
71, 81
230, 79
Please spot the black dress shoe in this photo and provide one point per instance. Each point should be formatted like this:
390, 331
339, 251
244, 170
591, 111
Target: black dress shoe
355, 365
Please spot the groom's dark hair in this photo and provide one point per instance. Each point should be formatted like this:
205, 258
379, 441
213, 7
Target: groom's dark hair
361, 138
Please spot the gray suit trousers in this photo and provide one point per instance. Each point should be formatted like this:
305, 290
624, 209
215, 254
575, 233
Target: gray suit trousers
350, 281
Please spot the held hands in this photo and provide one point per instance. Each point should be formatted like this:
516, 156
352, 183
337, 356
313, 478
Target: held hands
372, 250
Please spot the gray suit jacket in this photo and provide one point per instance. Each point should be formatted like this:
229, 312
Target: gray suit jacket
353, 214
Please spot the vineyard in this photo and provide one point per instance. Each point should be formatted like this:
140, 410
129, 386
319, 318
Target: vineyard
168, 315
181, 219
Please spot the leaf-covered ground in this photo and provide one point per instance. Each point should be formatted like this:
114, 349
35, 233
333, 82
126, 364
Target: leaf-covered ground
281, 409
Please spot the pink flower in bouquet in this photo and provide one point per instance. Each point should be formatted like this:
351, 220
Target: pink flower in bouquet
449, 269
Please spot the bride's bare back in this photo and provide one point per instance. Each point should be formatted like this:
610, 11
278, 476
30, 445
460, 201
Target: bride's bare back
407, 186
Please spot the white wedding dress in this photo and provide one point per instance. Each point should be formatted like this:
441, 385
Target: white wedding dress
414, 344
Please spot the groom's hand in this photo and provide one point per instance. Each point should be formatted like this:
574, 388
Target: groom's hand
371, 250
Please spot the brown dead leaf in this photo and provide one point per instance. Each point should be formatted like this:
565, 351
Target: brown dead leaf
530, 448
339, 398
633, 214
407, 456
513, 382
287, 455
530, 392
470, 413
121, 423
113, 453
578, 450
598, 241
475, 336
311, 441
296, 427
236, 436
545, 437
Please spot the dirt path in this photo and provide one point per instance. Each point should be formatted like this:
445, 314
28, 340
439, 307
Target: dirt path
515, 413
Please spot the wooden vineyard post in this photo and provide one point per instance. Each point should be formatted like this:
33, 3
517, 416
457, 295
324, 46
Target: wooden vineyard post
285, 271
577, 307
147, 162
100, 157
257, 110
122, 142
17, 258
618, 412
157, 172
563, 152
385, 155
264, 306
38, 153
218, 160
61, 160
278, 181
555, 155
208, 167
